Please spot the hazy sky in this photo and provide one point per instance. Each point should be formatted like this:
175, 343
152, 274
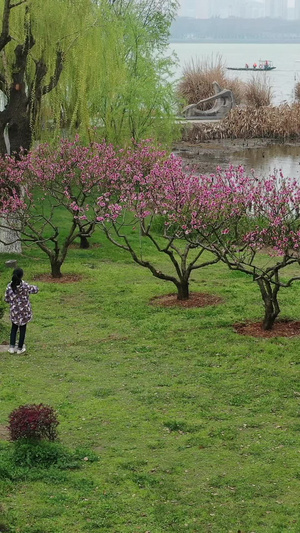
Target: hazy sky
185, 3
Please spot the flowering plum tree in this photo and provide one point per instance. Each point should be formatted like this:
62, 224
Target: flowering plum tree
59, 190
143, 203
236, 217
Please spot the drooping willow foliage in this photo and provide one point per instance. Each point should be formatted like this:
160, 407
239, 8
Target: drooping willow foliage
114, 70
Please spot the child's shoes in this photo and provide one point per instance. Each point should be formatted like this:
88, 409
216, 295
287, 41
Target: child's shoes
21, 350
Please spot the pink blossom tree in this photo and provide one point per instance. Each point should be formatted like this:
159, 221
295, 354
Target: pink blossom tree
10, 183
11, 202
141, 210
241, 219
56, 195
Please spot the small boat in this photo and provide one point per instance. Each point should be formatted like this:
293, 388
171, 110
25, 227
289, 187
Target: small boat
263, 66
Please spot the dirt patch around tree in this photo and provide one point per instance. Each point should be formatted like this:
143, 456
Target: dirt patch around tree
281, 328
66, 278
196, 299
4, 433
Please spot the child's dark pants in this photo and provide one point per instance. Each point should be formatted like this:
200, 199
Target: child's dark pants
13, 335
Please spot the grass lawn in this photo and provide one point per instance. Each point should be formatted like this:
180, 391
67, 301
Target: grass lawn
196, 428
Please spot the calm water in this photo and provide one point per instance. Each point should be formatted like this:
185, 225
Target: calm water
269, 159
286, 57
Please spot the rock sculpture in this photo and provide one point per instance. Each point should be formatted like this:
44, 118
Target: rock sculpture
223, 102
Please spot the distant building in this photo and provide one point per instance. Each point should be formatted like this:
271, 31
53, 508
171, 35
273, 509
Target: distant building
277, 9
191, 9
217, 8
227, 8
250, 9
297, 10
202, 10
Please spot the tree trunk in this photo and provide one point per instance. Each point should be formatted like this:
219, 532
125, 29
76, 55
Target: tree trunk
269, 296
19, 133
55, 268
16, 118
270, 316
15, 132
8, 236
183, 290
84, 242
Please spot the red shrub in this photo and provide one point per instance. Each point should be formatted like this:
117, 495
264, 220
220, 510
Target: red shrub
35, 422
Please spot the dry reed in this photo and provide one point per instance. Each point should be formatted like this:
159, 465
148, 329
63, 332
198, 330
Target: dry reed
258, 91
282, 122
198, 77
297, 91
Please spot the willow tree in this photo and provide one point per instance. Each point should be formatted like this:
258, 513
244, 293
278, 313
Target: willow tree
34, 42
125, 92
84, 64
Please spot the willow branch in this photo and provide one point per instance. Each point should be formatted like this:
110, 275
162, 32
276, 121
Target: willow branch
57, 72
5, 36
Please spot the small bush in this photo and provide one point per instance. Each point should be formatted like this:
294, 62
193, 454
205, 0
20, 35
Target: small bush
42, 454
33, 422
40, 460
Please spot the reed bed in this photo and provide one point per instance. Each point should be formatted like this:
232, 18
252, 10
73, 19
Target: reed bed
258, 91
282, 122
297, 91
198, 77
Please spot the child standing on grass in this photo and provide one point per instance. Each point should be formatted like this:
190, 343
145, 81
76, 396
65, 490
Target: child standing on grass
17, 296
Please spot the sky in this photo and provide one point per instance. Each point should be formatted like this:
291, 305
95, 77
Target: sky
184, 3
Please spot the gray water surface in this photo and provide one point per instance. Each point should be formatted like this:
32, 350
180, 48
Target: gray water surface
286, 58
268, 159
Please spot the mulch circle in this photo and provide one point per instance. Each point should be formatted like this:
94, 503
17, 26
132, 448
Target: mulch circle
66, 278
196, 299
281, 328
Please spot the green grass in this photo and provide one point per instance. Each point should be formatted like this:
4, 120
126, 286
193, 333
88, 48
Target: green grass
196, 428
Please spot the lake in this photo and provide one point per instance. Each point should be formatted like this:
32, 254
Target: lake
268, 159
285, 57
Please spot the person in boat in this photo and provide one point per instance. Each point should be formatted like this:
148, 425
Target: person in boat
266, 65
254, 65
246, 66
